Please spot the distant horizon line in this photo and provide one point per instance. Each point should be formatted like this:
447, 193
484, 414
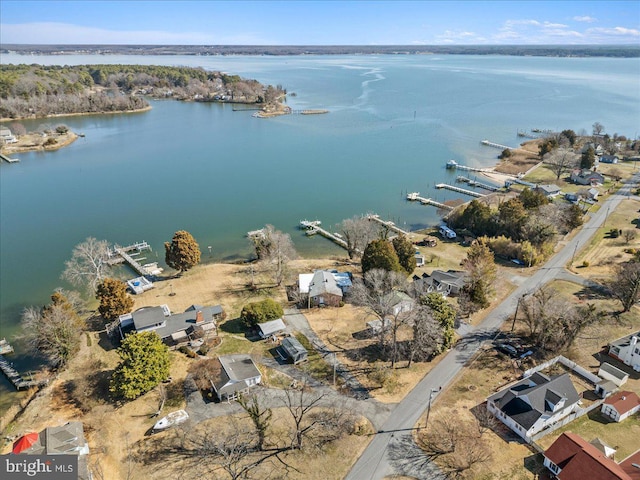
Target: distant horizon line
533, 45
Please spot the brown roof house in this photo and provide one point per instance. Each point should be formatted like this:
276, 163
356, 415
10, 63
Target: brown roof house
570, 457
621, 405
534, 403
237, 374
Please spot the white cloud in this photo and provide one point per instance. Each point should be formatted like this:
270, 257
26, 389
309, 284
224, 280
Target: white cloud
62, 33
615, 31
585, 18
554, 25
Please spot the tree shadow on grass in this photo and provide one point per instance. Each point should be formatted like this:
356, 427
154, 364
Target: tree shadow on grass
235, 326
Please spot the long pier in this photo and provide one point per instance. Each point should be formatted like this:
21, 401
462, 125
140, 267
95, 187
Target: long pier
121, 254
415, 197
452, 164
16, 379
460, 190
313, 227
475, 183
497, 145
8, 159
387, 224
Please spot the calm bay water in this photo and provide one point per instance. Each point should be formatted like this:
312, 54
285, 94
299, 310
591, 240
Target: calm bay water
394, 122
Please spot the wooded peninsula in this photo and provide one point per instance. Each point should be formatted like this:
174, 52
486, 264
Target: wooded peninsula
29, 91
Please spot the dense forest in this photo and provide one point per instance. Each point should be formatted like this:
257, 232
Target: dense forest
519, 50
36, 90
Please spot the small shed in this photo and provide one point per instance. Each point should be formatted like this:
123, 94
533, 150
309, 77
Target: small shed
273, 327
609, 372
294, 350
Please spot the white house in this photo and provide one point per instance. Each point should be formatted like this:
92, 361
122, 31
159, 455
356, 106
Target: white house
621, 405
237, 374
627, 350
534, 403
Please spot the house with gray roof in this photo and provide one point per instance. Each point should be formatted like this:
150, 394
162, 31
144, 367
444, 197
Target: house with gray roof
627, 350
534, 403
324, 290
67, 439
174, 329
549, 190
237, 374
446, 283
586, 177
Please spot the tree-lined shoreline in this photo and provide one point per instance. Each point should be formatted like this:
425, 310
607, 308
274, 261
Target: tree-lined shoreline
34, 91
623, 51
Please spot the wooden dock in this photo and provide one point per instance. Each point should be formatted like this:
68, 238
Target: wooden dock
313, 227
16, 379
128, 255
460, 190
387, 224
497, 145
415, 197
8, 159
475, 183
452, 164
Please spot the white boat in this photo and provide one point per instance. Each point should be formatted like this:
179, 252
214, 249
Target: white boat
171, 420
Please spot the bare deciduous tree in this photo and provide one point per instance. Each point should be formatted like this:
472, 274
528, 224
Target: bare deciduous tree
53, 331
553, 322
87, 266
275, 250
455, 444
358, 232
300, 405
379, 293
261, 417
625, 285
561, 160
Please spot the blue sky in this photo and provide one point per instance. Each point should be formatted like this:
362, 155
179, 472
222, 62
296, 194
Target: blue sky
320, 22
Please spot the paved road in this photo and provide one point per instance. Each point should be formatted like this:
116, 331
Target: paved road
375, 463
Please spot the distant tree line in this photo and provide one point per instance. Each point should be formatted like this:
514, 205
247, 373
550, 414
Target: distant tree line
36, 90
516, 50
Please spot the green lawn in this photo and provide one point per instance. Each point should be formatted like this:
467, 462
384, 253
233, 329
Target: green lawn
622, 436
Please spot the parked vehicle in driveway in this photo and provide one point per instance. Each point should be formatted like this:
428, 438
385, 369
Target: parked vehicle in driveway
508, 349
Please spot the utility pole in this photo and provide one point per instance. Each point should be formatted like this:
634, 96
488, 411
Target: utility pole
515, 315
433, 391
334, 369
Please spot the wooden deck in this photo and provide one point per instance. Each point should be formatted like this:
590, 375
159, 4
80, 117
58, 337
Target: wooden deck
16, 379
453, 188
415, 197
387, 224
128, 255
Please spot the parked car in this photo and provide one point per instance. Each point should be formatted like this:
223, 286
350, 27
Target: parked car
508, 349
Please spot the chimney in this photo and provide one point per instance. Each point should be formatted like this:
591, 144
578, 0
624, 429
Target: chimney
199, 317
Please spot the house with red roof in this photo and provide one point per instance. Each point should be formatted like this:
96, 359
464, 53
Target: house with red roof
631, 465
621, 405
570, 457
